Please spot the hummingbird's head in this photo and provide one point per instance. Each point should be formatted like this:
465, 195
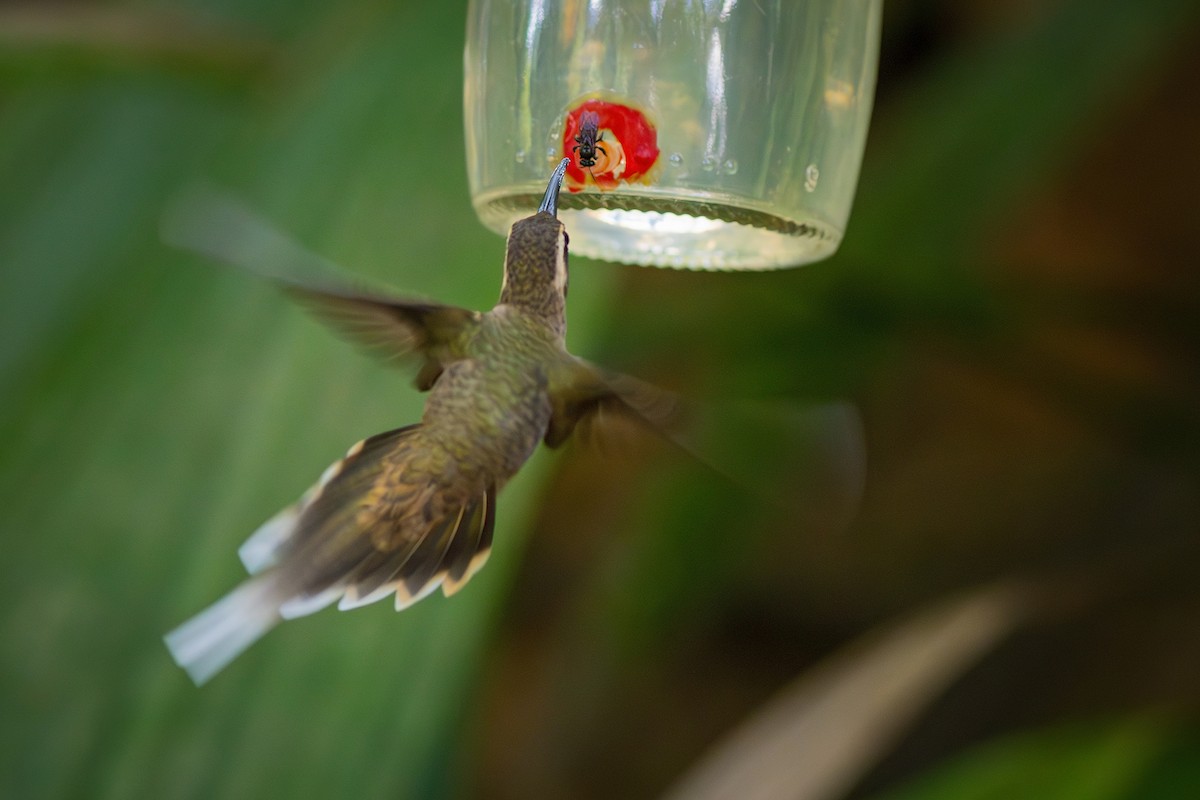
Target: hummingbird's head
535, 262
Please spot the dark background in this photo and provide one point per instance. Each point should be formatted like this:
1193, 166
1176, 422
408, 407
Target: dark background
1013, 312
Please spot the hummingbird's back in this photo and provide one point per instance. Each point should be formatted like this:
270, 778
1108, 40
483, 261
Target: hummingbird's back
487, 413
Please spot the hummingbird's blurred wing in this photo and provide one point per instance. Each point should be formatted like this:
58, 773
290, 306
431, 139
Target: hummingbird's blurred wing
213, 223
817, 451
394, 327
581, 392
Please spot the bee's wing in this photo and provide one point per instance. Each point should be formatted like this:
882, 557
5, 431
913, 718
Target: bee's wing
822, 445
212, 223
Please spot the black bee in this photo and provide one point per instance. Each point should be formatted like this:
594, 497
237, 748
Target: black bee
589, 138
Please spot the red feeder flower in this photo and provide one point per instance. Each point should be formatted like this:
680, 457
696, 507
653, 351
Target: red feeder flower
626, 146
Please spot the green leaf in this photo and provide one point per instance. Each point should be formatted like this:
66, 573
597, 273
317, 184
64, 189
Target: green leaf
1135, 759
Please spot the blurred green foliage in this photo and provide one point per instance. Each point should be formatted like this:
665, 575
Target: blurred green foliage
1099, 760
1013, 311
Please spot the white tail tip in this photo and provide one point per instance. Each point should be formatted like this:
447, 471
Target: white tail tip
261, 550
207, 642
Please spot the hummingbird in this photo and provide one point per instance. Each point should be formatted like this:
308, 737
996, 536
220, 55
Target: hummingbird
412, 510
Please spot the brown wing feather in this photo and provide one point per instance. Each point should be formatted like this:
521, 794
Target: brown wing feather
372, 526
393, 327
465, 542
472, 545
453, 549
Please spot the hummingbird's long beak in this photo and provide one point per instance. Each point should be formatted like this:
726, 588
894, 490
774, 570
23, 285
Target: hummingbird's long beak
550, 201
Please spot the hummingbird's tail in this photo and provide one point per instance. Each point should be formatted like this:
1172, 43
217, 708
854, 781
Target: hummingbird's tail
375, 523
379, 521
207, 642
